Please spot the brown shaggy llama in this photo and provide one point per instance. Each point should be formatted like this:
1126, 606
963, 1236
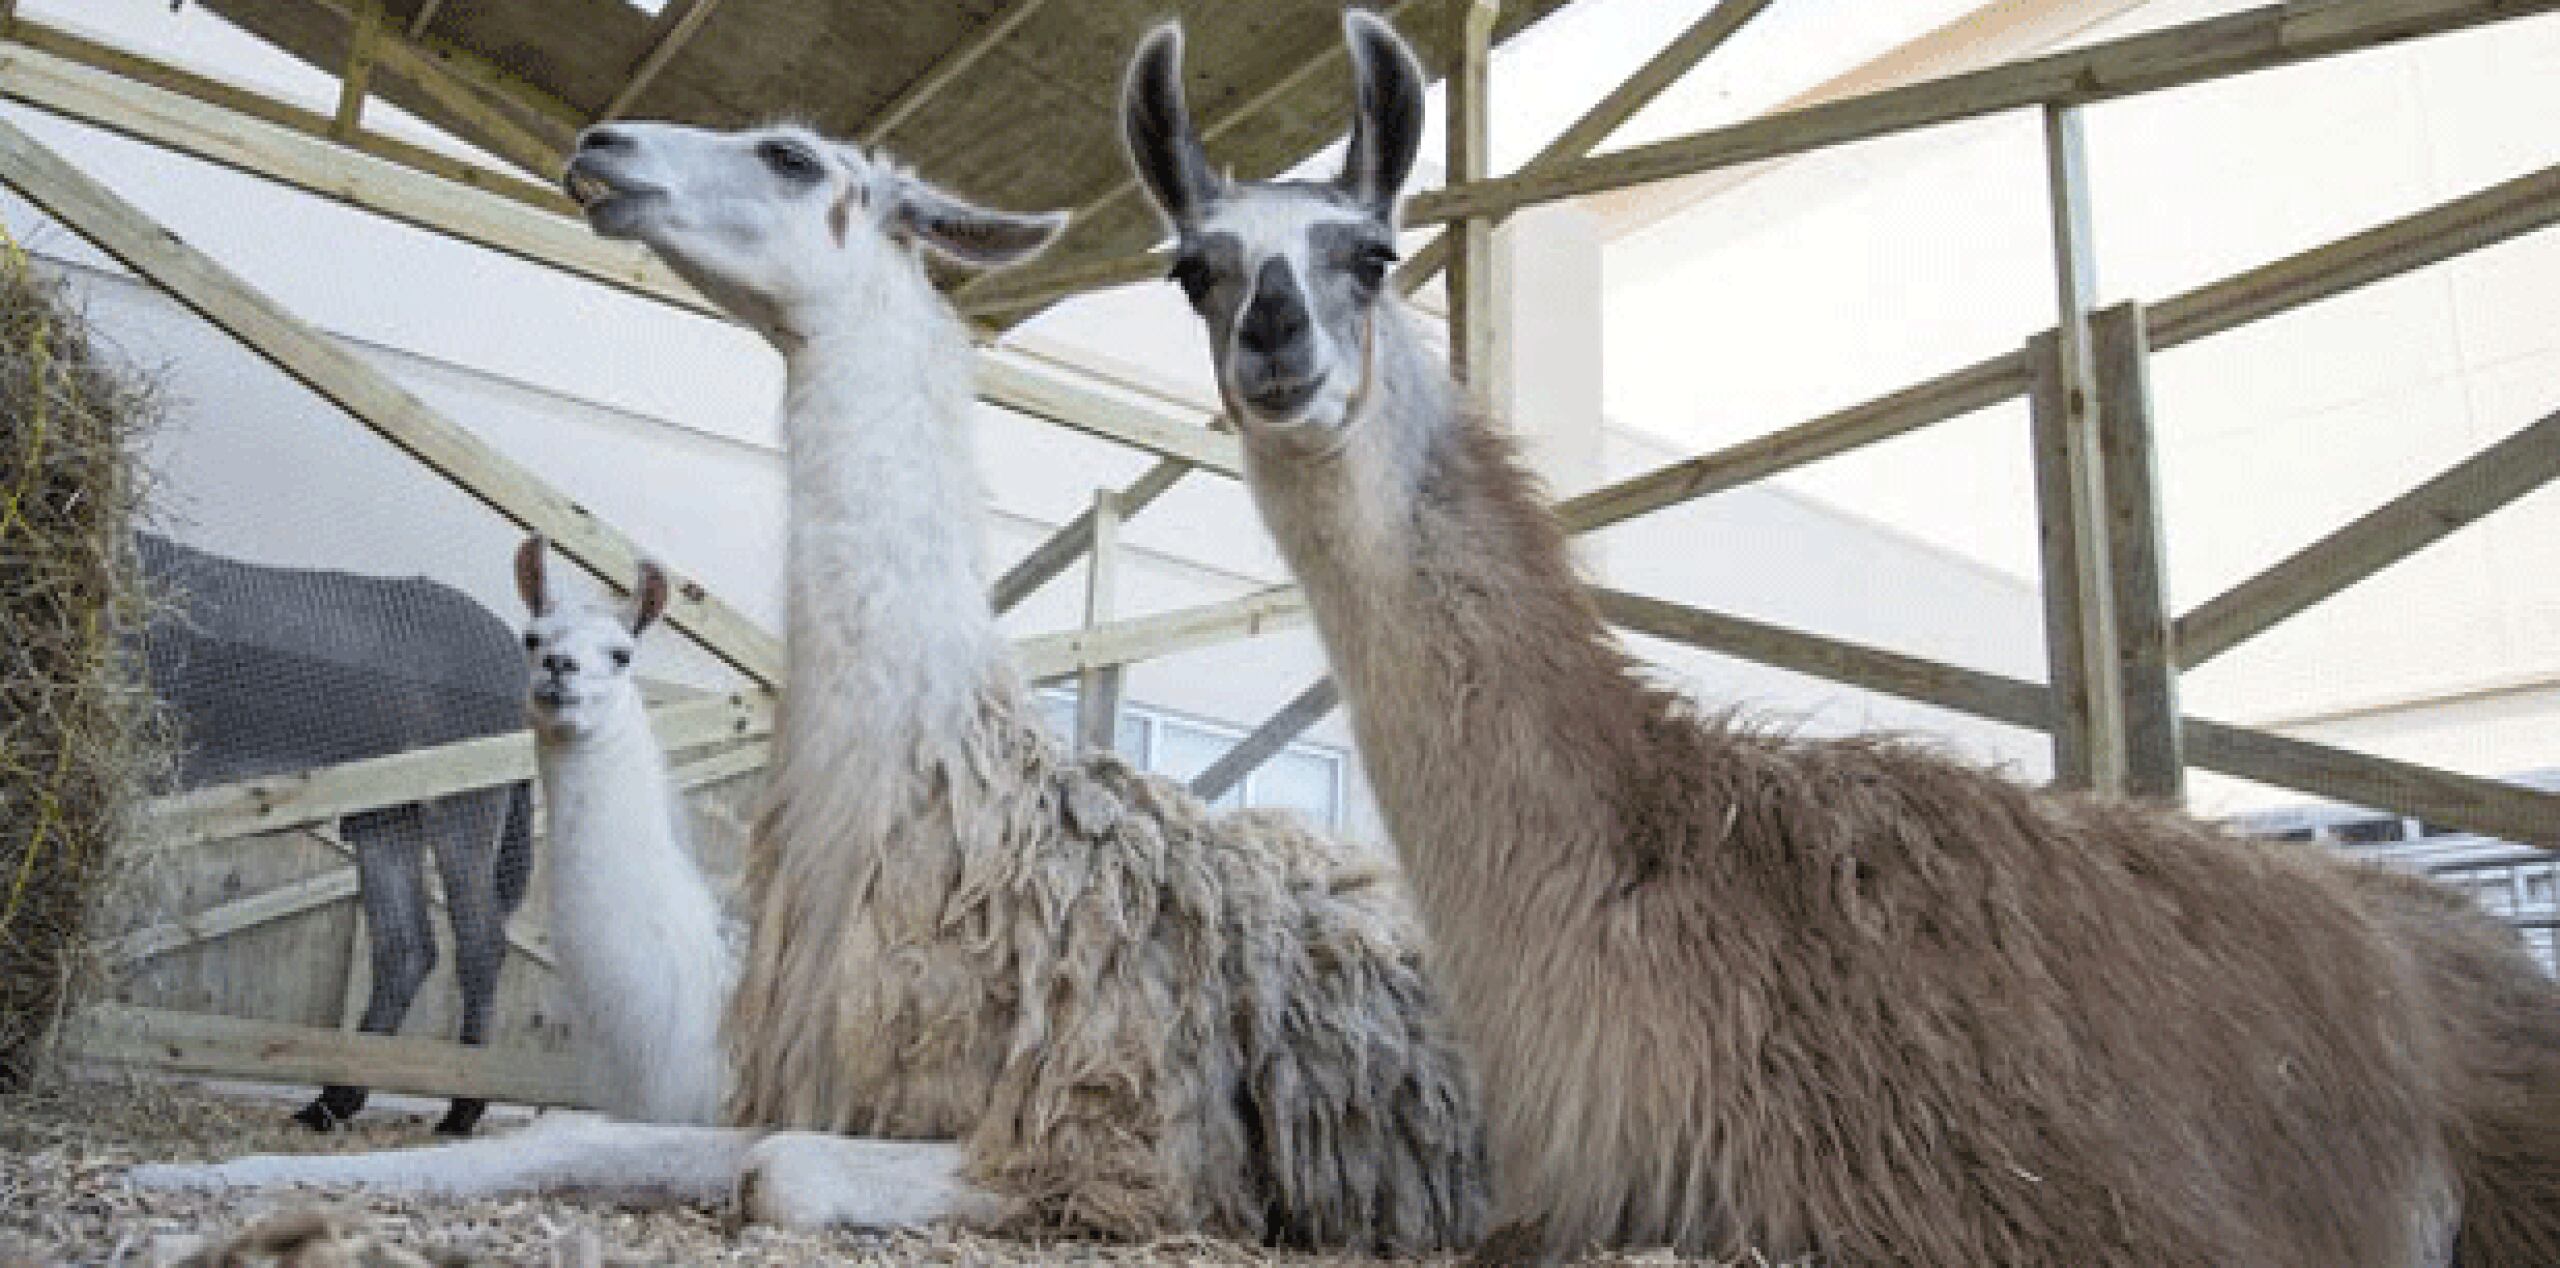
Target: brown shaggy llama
1729, 990
1136, 1016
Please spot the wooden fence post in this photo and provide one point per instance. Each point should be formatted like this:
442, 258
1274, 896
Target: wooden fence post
2071, 483
1098, 688
1472, 286
2147, 665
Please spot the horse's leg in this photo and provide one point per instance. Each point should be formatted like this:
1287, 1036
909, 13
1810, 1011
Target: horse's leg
635, 1164
391, 882
464, 830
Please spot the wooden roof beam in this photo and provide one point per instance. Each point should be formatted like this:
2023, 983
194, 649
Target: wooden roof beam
1334, 62
679, 24
423, 18
2197, 52
948, 70
92, 82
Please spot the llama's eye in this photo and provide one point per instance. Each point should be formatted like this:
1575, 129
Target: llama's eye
1191, 273
1370, 262
622, 658
788, 160
532, 641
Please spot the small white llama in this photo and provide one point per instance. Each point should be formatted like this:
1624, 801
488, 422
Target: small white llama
636, 928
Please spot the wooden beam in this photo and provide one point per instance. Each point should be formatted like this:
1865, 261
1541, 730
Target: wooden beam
2507, 811
2137, 559
425, 17
323, 794
2508, 209
153, 101
1333, 62
1046, 396
2058, 556
2257, 39
1978, 386
121, 230
1047, 656
1473, 284
2384, 536
224, 919
477, 119
276, 1052
342, 883
1014, 290
428, 55
1073, 538
357, 79
948, 69
1304, 710
297, 158
2494, 215
1607, 115
2197, 52
2084, 490
685, 22
1098, 687
1985, 695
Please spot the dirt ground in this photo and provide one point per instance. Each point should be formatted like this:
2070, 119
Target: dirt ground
64, 1149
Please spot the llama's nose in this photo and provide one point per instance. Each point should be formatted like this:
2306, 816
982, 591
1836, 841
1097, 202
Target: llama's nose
557, 664
1276, 320
602, 139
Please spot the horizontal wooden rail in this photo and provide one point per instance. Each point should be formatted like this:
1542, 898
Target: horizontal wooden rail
314, 796
278, 1052
268, 906
2489, 807
1046, 656
1053, 399
2509, 209
2196, 52
2376, 540
224, 919
1304, 710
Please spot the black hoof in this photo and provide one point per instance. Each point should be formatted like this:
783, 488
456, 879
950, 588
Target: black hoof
461, 1118
331, 1109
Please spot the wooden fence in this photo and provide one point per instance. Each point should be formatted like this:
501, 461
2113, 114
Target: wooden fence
2111, 704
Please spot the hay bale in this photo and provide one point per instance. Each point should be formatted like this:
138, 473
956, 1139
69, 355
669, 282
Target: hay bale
79, 737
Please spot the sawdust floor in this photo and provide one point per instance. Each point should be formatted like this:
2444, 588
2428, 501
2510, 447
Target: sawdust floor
64, 1149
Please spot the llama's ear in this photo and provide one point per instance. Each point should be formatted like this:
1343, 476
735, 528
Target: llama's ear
1386, 120
1163, 147
648, 596
968, 233
533, 576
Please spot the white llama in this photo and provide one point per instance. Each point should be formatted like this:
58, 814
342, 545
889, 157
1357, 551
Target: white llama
1136, 1016
636, 928
1727, 989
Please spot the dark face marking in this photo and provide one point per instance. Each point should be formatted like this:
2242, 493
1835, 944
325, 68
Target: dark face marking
1285, 275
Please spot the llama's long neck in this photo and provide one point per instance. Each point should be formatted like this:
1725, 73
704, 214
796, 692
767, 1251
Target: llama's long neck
891, 638
607, 797
1496, 718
